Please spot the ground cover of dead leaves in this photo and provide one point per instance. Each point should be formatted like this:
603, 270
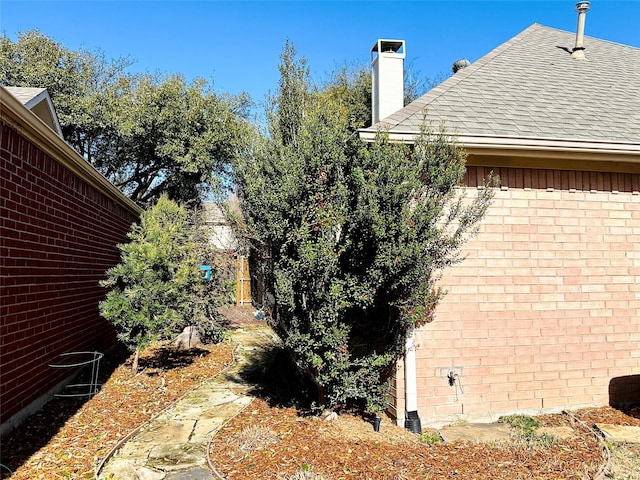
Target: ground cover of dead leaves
266, 442
69, 438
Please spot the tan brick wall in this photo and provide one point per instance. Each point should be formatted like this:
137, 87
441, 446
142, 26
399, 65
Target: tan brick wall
544, 312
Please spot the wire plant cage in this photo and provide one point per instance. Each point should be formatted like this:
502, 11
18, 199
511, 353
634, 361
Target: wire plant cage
87, 365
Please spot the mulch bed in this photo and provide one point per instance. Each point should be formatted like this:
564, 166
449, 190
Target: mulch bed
266, 442
614, 416
68, 438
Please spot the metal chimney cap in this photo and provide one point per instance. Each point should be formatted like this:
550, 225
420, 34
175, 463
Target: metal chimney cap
582, 7
383, 45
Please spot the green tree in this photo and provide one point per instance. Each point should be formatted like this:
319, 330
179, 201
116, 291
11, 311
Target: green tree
158, 288
349, 87
350, 237
148, 134
167, 136
75, 81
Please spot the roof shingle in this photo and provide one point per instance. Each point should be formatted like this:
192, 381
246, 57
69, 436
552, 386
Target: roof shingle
531, 87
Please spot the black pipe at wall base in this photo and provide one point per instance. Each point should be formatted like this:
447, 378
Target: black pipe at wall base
412, 422
376, 424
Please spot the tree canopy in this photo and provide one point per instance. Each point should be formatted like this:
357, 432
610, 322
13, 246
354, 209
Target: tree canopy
148, 134
350, 238
167, 136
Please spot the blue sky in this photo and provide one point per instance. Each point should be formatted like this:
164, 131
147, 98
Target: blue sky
236, 44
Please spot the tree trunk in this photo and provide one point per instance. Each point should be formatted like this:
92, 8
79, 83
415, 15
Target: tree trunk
134, 364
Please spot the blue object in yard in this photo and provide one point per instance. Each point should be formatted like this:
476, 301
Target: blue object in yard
207, 272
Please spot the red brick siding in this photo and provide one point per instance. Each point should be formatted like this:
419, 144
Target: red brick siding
544, 312
58, 236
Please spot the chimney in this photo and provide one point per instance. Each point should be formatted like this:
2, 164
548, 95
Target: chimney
582, 8
387, 78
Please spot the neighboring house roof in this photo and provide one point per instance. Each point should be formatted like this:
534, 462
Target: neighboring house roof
38, 101
529, 93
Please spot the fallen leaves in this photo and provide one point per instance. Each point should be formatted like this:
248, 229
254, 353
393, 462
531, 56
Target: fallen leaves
349, 448
69, 437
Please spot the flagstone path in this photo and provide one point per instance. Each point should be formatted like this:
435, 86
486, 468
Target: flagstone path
172, 446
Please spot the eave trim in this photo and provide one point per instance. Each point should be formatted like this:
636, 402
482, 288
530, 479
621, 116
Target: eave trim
26, 123
505, 145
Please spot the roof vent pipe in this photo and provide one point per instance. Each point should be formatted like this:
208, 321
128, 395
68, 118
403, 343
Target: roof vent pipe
582, 8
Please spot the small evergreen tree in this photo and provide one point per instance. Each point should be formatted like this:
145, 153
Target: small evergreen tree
158, 289
351, 238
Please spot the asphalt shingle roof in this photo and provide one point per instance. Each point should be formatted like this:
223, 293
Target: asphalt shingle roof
25, 94
531, 87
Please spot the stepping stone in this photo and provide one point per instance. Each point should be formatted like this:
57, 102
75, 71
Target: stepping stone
134, 451
198, 473
176, 431
204, 429
476, 432
619, 433
171, 457
226, 410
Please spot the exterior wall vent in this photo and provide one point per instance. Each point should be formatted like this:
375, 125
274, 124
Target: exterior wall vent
387, 80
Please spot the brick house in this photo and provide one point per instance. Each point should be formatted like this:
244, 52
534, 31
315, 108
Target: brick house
60, 222
544, 312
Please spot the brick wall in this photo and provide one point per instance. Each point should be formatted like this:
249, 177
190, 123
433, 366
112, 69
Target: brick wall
58, 236
544, 313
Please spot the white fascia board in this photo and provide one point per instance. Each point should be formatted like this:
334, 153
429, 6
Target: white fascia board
480, 143
19, 118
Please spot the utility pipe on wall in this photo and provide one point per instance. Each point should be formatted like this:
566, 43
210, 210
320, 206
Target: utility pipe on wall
412, 419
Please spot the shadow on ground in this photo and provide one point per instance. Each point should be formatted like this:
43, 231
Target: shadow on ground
37, 430
167, 358
278, 380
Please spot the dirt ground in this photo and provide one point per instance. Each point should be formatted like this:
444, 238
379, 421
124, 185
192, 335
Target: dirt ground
275, 442
68, 438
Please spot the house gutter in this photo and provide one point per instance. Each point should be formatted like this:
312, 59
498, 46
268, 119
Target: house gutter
500, 146
19, 118
518, 143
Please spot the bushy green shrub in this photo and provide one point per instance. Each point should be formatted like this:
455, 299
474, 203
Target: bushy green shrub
350, 238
